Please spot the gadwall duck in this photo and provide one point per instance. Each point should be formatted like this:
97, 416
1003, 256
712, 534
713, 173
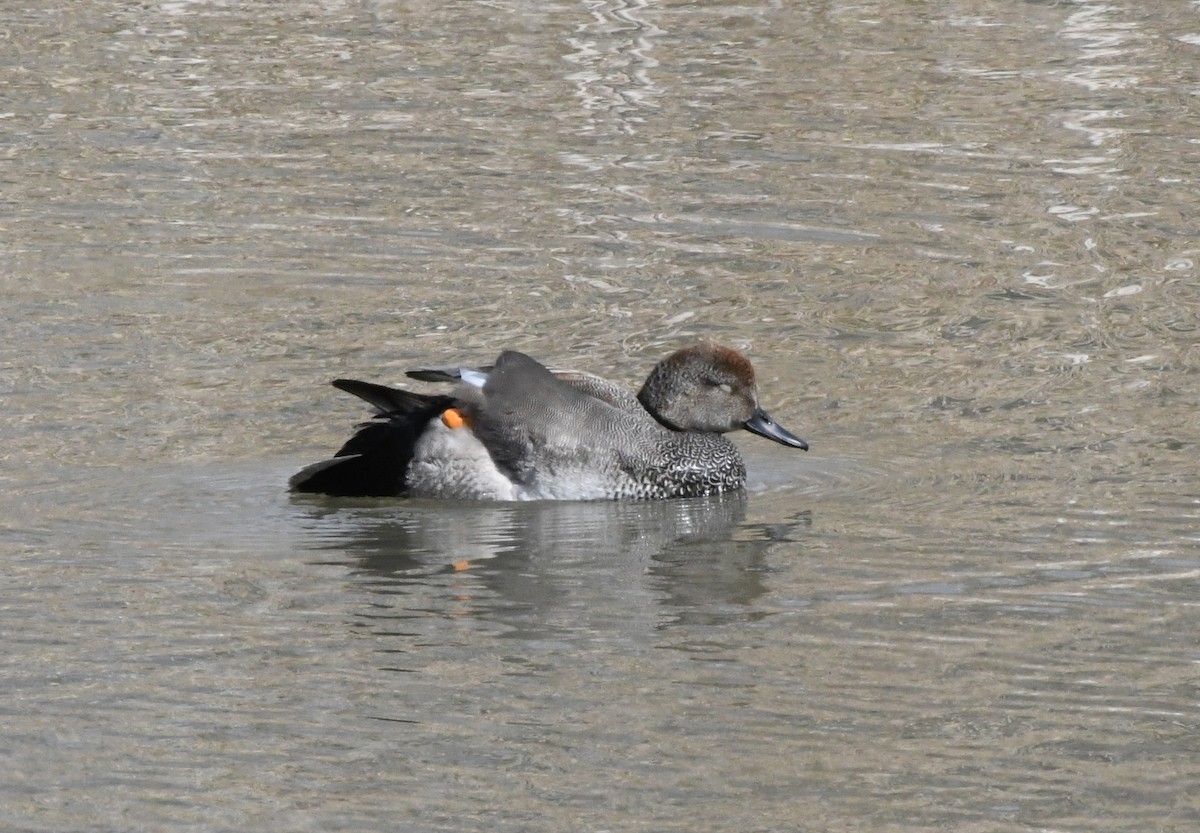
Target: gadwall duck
519, 431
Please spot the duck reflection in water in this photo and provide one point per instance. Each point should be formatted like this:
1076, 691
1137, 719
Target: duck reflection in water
535, 563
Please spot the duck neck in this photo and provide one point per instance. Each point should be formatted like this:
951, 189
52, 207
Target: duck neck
646, 398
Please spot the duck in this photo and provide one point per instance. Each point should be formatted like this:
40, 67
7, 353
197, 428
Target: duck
518, 430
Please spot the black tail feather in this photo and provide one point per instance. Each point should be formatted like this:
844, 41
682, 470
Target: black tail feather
373, 462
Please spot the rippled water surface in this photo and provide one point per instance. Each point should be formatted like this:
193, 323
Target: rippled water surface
959, 241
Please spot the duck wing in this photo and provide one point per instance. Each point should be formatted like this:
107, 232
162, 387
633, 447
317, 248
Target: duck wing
534, 422
606, 390
443, 374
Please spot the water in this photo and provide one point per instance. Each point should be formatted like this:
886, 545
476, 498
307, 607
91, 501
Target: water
958, 242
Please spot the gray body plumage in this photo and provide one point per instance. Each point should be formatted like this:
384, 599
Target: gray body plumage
582, 436
534, 434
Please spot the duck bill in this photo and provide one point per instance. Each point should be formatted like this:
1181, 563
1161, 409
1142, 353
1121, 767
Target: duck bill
762, 424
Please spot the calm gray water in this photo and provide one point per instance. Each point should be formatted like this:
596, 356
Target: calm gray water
959, 241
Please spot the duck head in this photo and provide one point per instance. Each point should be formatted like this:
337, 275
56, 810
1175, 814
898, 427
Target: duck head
710, 387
